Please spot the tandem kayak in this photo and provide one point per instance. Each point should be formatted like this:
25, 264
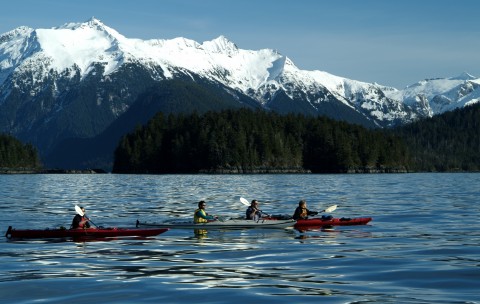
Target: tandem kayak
325, 221
226, 224
319, 222
81, 233
322, 222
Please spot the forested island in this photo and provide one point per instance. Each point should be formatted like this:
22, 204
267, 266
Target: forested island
16, 157
19, 158
246, 141
449, 142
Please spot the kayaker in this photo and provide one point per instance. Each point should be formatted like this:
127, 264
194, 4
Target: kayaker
253, 213
200, 215
302, 213
80, 221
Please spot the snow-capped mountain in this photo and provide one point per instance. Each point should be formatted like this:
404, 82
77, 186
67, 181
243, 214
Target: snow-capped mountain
75, 80
440, 95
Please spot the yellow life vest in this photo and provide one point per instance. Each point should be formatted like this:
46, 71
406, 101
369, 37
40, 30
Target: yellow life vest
197, 219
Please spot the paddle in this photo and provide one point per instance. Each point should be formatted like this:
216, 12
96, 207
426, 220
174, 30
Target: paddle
246, 203
221, 218
329, 209
80, 212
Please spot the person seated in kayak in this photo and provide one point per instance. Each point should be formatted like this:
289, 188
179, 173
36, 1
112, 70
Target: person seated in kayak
201, 216
80, 221
302, 213
253, 213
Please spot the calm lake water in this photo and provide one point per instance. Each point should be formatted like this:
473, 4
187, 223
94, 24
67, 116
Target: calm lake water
423, 245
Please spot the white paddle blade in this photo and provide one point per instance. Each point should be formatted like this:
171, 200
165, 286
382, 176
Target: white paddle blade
79, 211
331, 209
244, 201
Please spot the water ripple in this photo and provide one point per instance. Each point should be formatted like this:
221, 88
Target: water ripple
421, 247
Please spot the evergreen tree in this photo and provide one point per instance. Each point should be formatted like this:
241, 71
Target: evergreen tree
255, 141
14, 154
447, 142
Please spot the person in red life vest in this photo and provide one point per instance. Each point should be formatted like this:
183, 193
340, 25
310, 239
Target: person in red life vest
302, 213
80, 221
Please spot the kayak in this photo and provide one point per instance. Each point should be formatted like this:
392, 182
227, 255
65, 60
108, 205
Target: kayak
327, 221
81, 233
222, 224
319, 222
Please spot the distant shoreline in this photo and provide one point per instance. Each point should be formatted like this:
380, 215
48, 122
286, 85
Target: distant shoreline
276, 171
49, 171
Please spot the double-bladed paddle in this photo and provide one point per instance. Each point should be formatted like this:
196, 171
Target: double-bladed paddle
80, 212
246, 203
327, 210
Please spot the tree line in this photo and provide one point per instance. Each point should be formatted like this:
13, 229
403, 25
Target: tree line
15, 154
247, 141
446, 142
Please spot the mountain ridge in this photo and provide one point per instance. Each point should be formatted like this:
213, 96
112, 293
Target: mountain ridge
75, 80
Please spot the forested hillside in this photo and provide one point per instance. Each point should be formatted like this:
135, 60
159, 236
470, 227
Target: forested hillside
246, 141
16, 155
447, 142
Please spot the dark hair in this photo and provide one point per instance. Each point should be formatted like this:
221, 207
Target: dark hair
200, 203
300, 203
254, 201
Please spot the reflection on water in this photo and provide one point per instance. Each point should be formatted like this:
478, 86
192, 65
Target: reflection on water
412, 252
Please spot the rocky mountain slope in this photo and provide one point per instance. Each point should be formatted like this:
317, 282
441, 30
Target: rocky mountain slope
74, 81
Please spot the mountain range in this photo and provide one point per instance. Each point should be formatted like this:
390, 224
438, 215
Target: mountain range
74, 90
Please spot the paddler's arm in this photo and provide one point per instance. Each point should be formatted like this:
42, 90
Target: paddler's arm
205, 216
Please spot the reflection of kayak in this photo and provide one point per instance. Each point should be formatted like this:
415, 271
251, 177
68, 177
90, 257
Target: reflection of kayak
226, 224
81, 233
319, 222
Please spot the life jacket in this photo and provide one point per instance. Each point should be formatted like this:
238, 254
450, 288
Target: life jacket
197, 219
80, 222
304, 213
248, 213
83, 223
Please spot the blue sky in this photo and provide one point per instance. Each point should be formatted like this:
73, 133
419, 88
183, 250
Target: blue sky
395, 43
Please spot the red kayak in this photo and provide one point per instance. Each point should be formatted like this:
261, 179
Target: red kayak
320, 222
81, 233
325, 221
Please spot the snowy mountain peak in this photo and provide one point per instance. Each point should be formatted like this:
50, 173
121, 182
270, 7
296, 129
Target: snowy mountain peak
15, 46
92, 24
19, 31
35, 56
464, 76
220, 45
95, 22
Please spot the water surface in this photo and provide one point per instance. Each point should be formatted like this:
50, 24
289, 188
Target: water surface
421, 247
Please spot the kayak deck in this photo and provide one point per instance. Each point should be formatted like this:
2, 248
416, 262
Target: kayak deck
326, 221
227, 224
319, 222
81, 233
